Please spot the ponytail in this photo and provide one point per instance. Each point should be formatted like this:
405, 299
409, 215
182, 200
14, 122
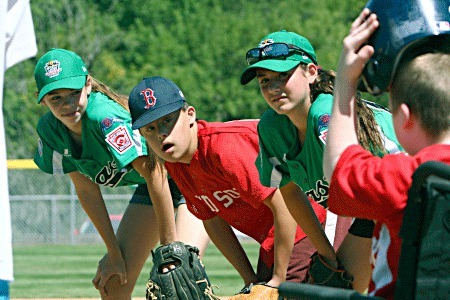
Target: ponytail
98, 86
369, 136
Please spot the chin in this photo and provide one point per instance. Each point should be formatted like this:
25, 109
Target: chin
168, 157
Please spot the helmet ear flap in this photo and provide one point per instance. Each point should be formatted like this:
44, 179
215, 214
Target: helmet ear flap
407, 29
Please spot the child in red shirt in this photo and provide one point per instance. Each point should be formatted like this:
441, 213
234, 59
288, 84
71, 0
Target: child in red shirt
367, 186
213, 166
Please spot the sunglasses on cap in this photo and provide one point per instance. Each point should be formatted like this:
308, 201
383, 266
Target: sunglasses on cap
274, 51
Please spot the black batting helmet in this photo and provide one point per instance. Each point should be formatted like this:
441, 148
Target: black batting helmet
408, 28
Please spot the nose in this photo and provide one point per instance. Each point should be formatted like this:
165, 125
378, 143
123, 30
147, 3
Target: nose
163, 132
275, 86
71, 100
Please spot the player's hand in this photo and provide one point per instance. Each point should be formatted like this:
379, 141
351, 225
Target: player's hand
274, 282
108, 266
356, 52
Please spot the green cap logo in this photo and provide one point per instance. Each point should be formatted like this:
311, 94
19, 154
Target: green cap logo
59, 69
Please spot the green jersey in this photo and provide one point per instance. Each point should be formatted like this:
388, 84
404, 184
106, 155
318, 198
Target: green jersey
283, 159
109, 144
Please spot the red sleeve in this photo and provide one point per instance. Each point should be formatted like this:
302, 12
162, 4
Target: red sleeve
367, 186
235, 155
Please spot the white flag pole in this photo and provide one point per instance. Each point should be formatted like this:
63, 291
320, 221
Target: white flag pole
17, 43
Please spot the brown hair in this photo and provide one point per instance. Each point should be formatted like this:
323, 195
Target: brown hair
98, 86
368, 135
422, 83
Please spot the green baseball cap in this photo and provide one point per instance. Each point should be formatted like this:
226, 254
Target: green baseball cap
281, 64
59, 69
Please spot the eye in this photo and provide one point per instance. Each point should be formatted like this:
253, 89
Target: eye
146, 129
262, 79
75, 93
55, 98
284, 75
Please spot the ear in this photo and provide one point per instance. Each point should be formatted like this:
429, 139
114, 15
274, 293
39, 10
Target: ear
88, 84
192, 115
311, 72
408, 119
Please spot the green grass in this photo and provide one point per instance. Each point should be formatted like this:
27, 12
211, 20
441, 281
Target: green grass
66, 271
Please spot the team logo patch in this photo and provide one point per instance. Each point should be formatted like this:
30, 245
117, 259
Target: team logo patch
52, 68
322, 127
119, 139
265, 43
106, 123
323, 136
323, 122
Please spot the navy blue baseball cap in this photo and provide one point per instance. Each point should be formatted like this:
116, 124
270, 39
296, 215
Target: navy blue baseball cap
407, 29
153, 98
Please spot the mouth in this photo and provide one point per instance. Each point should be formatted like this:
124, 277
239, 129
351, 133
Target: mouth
167, 147
277, 99
70, 114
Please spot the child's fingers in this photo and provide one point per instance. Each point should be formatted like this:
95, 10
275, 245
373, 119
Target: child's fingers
364, 54
368, 24
360, 19
361, 35
356, 52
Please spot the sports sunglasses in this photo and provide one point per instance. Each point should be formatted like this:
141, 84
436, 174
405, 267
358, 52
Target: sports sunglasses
274, 51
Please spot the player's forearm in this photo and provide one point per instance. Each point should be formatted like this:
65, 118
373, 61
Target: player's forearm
342, 128
93, 204
165, 215
159, 191
226, 241
303, 213
285, 228
284, 244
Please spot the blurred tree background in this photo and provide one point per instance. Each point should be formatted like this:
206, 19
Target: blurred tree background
199, 44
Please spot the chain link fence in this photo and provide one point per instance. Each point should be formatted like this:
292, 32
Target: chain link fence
45, 208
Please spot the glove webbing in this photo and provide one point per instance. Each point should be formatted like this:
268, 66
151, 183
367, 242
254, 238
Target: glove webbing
151, 286
208, 289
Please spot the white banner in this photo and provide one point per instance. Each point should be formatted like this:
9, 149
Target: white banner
17, 43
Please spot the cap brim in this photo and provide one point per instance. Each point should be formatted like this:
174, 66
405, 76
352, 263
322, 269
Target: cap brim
76, 83
155, 114
275, 65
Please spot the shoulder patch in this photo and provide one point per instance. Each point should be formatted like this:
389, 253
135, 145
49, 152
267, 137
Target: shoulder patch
106, 123
323, 136
119, 139
324, 120
322, 127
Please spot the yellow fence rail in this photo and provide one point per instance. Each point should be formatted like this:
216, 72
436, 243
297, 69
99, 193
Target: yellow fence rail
21, 164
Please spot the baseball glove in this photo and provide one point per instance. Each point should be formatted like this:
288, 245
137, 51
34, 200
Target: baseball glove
320, 273
187, 281
257, 291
